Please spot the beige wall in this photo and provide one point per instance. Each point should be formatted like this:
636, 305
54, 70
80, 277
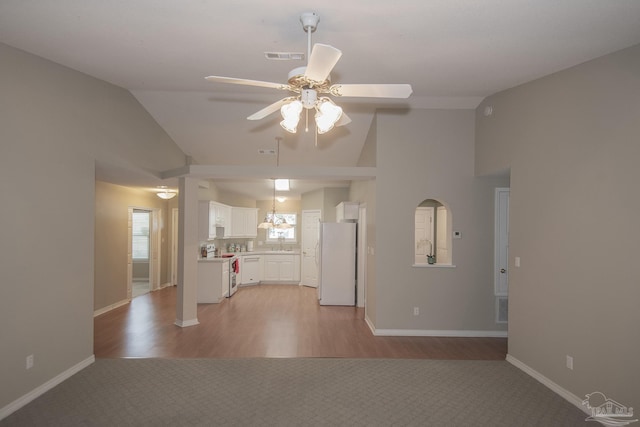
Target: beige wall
326, 200
332, 197
56, 124
425, 154
112, 203
313, 200
572, 142
368, 153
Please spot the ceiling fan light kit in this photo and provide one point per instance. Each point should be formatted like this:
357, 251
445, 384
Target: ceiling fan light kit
307, 82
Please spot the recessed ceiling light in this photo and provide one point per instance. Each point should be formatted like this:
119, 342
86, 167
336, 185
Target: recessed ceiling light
281, 199
282, 184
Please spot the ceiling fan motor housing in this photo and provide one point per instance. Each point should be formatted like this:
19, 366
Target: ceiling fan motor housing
309, 21
308, 97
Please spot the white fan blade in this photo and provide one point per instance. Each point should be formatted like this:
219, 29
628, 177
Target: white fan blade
323, 59
343, 120
218, 79
372, 90
269, 109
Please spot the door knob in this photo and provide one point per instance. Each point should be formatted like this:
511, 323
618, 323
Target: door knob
502, 270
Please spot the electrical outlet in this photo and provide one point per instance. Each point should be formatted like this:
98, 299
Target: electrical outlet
29, 361
416, 311
570, 362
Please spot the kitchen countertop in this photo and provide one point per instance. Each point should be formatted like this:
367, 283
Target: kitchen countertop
216, 259
266, 252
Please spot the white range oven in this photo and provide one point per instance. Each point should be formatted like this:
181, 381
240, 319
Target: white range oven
234, 269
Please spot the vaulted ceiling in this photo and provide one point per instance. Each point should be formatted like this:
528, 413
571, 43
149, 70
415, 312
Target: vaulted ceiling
452, 52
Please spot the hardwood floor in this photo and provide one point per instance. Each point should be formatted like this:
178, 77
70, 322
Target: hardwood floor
266, 321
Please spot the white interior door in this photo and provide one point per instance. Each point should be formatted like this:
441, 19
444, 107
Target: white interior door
310, 229
442, 248
362, 256
501, 269
424, 234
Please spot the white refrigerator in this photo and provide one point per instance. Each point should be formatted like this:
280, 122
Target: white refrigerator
337, 263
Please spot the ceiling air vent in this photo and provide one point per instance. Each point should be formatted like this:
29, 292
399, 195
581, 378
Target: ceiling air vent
284, 56
267, 151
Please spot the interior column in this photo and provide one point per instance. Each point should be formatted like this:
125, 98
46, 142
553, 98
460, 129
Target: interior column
186, 301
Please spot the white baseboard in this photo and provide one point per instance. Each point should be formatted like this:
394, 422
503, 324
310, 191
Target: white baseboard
370, 324
432, 333
562, 392
111, 307
37, 392
437, 333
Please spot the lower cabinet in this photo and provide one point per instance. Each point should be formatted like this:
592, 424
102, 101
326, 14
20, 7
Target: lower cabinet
281, 268
213, 281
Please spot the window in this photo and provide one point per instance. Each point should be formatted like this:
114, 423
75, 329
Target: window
288, 234
140, 235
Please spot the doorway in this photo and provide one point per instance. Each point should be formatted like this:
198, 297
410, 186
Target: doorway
310, 235
501, 257
143, 260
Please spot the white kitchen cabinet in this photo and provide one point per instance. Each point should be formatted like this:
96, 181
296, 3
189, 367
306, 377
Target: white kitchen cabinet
244, 222
347, 211
251, 268
210, 216
223, 218
281, 268
213, 281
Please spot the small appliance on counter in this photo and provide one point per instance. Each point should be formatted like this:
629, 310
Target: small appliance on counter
210, 251
250, 246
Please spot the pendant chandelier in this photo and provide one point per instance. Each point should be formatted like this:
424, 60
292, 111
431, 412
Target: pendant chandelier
271, 220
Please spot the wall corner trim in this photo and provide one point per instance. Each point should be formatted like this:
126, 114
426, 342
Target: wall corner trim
38, 391
562, 392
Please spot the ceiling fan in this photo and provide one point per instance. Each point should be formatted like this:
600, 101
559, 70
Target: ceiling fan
310, 83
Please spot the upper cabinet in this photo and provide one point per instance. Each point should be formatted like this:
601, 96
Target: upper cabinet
216, 220
347, 211
223, 219
212, 215
244, 222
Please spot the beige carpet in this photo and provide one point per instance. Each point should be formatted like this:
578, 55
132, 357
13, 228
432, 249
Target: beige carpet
298, 392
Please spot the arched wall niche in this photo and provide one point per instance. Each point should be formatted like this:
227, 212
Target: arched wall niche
433, 233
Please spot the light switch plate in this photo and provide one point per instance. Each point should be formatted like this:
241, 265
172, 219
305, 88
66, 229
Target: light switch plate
517, 261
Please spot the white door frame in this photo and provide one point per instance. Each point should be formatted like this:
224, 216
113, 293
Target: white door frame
362, 257
155, 236
173, 276
501, 242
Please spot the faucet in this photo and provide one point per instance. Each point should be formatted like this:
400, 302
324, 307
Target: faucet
281, 241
